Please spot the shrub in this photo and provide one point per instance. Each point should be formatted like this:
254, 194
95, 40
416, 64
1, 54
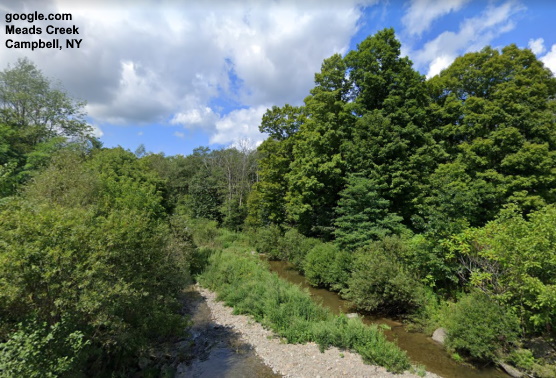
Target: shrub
379, 283
325, 265
267, 240
39, 350
204, 231
111, 262
480, 327
522, 358
295, 247
514, 259
430, 314
199, 260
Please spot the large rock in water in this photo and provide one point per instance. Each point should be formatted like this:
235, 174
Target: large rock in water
439, 335
512, 372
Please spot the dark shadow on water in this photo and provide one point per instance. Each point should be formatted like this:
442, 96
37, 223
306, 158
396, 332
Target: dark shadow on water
217, 351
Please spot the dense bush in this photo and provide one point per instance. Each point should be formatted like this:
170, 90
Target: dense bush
480, 327
242, 281
430, 315
38, 350
381, 283
326, 265
267, 241
111, 268
204, 231
295, 247
525, 361
514, 260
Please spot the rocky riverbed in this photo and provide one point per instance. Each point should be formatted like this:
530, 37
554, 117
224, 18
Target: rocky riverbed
246, 336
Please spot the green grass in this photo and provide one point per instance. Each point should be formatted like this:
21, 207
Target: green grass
245, 283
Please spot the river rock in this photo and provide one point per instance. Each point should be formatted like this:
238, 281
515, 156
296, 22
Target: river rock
439, 335
512, 372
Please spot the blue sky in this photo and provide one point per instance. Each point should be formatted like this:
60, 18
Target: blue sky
175, 75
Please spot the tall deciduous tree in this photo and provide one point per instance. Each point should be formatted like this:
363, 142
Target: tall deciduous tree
29, 100
391, 144
36, 119
267, 203
495, 114
317, 171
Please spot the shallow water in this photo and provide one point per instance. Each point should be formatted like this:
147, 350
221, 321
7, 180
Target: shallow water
420, 348
219, 351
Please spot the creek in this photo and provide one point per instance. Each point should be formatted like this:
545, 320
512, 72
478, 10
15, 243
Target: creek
420, 348
218, 351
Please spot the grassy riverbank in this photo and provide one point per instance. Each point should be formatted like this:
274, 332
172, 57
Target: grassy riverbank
244, 282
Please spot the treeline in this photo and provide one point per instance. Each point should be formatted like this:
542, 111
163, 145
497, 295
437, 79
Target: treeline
430, 198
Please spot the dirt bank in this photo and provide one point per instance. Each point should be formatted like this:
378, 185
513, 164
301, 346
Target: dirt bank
292, 360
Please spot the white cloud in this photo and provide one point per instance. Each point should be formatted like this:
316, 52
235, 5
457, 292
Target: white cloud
421, 13
537, 46
473, 34
134, 100
179, 134
240, 124
144, 62
199, 117
549, 59
97, 132
438, 64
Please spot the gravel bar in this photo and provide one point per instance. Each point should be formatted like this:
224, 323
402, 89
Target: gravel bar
294, 360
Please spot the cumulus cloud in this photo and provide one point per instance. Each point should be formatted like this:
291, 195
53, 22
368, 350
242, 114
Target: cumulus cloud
549, 59
421, 13
196, 117
150, 61
240, 124
537, 46
473, 34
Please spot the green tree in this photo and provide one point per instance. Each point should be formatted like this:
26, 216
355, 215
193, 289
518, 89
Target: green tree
318, 167
362, 215
88, 244
282, 123
268, 204
36, 120
390, 142
494, 113
513, 259
29, 100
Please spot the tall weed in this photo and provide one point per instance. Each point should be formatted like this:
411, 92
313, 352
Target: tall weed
244, 282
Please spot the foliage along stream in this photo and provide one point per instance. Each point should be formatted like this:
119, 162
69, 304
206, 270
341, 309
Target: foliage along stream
420, 348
